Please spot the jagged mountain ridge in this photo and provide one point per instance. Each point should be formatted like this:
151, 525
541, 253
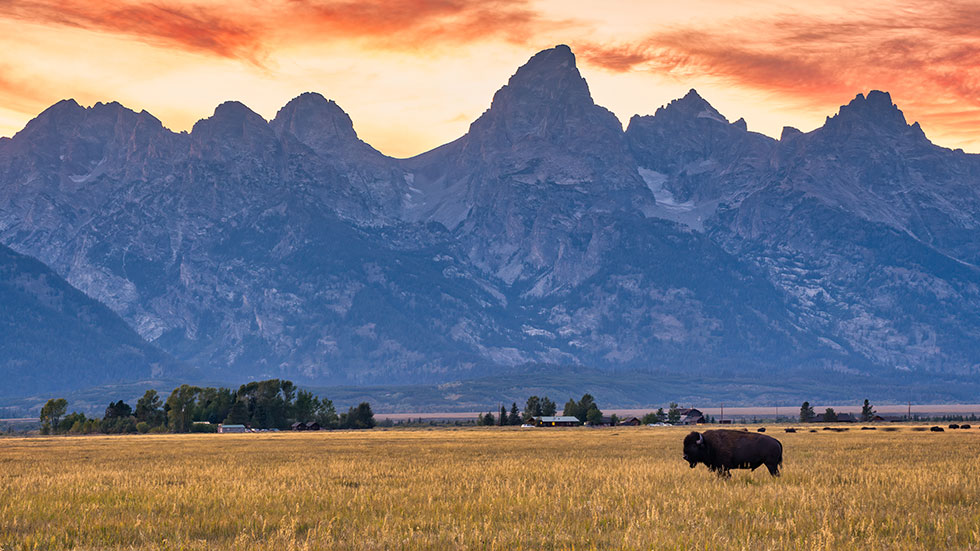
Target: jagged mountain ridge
864, 225
545, 234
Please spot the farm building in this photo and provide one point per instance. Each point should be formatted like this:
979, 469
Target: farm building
310, 425
605, 421
630, 421
232, 428
557, 421
691, 416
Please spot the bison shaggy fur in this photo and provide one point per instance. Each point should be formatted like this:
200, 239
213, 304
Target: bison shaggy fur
723, 450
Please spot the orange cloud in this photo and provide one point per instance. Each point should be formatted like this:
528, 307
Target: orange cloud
250, 34
925, 54
411, 23
193, 28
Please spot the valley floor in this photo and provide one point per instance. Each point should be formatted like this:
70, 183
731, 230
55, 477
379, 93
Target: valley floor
486, 488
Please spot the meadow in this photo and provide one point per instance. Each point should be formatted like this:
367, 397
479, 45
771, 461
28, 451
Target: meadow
486, 488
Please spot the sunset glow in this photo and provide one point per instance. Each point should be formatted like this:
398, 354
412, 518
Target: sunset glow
414, 74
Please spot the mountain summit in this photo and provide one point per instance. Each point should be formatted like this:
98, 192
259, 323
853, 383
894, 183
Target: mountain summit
319, 123
874, 114
546, 100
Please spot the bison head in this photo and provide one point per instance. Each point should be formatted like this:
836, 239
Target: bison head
695, 448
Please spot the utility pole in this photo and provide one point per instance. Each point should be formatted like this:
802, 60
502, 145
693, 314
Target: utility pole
723, 412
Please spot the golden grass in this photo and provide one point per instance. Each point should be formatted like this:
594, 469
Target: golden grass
533, 489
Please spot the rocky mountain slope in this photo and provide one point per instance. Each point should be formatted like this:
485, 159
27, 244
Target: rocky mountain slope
546, 234
53, 337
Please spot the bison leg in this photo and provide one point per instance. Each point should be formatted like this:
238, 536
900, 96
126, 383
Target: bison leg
773, 468
723, 473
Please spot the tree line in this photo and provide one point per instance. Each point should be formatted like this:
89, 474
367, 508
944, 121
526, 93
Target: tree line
807, 415
271, 404
585, 409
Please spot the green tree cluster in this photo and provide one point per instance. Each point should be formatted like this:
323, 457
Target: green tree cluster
54, 420
360, 417
261, 404
585, 409
673, 413
486, 420
118, 419
538, 407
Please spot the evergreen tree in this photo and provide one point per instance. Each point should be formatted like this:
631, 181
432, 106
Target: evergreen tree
489, 419
661, 416
830, 416
581, 409
586, 403
571, 408
548, 408
867, 412
807, 414
532, 408
515, 415
502, 418
673, 414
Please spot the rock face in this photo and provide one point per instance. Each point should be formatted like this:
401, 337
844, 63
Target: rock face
53, 337
693, 159
546, 234
870, 231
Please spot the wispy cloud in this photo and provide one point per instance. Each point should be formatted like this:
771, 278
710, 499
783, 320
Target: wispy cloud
411, 24
203, 29
924, 53
250, 32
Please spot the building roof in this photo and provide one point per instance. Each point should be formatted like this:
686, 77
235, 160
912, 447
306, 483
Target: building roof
232, 426
558, 419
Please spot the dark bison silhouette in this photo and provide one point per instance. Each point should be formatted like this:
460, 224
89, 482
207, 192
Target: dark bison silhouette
723, 450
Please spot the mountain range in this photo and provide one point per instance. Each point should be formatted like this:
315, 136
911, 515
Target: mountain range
546, 235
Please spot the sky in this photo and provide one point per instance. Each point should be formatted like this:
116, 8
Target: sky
413, 74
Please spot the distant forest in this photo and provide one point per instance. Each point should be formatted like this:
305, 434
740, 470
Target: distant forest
271, 404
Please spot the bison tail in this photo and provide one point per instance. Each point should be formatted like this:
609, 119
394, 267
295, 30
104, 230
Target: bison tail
780, 462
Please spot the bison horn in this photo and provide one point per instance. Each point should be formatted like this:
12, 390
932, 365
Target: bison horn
700, 439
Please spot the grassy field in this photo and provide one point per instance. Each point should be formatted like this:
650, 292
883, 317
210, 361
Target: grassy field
533, 489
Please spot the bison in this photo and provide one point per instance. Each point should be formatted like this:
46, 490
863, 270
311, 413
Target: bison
723, 450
